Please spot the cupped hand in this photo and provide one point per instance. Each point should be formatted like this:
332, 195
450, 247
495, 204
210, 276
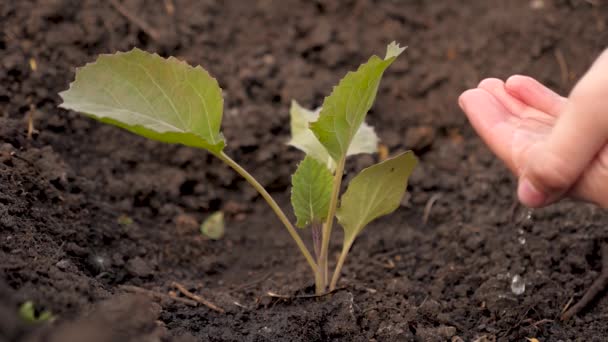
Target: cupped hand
556, 146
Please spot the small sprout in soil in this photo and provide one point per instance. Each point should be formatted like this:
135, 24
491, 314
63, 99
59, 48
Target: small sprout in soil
170, 101
124, 220
27, 312
213, 226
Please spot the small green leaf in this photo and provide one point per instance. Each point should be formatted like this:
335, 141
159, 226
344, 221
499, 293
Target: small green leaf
345, 109
311, 192
124, 220
27, 312
302, 138
158, 98
374, 192
213, 226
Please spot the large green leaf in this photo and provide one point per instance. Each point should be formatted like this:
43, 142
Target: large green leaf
364, 141
162, 99
345, 109
374, 192
311, 192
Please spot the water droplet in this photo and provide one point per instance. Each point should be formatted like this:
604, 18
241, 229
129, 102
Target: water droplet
521, 240
520, 231
529, 214
518, 285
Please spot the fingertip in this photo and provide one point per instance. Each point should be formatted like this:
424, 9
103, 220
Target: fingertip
480, 106
534, 94
529, 195
464, 99
490, 84
490, 120
517, 79
480, 103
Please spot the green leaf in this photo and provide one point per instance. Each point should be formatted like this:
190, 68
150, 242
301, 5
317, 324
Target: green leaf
374, 192
302, 138
213, 227
125, 220
27, 312
311, 192
345, 109
158, 98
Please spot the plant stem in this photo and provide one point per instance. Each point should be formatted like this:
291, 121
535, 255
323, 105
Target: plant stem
319, 282
317, 232
274, 206
333, 204
336, 276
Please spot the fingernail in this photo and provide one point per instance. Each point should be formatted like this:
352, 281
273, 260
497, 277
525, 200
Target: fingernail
529, 195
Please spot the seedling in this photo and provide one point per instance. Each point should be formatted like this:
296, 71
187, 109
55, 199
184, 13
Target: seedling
27, 312
124, 220
169, 101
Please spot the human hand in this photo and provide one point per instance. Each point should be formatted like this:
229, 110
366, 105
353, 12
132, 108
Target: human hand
556, 146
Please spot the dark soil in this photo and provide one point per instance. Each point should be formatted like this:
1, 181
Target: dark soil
64, 194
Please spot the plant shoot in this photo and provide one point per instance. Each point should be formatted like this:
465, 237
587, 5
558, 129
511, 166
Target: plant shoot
170, 101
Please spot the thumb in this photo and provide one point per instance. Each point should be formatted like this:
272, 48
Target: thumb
550, 168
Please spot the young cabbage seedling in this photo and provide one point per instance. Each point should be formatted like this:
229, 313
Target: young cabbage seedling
27, 312
169, 101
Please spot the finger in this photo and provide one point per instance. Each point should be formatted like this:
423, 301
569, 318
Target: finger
592, 185
552, 167
536, 95
523, 110
496, 87
491, 120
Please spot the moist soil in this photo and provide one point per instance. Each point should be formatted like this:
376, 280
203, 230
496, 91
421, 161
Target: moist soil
89, 212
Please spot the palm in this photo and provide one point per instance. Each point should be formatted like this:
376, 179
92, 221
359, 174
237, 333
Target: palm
511, 117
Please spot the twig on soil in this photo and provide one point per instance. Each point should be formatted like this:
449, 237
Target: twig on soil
380, 307
135, 20
519, 322
567, 306
241, 305
541, 322
388, 264
563, 66
156, 295
16, 156
30, 121
596, 287
429, 206
197, 298
252, 283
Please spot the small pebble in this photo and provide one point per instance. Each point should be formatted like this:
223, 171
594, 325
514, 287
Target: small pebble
63, 264
138, 267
